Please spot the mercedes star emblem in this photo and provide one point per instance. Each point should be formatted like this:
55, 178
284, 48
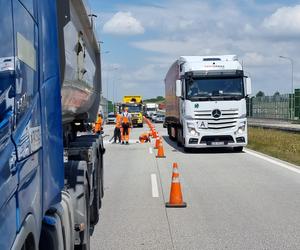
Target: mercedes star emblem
216, 113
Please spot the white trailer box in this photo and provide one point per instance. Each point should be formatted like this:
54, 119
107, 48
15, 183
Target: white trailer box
206, 102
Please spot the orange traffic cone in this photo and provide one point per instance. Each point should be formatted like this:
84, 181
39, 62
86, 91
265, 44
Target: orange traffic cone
175, 172
175, 194
157, 141
154, 133
160, 152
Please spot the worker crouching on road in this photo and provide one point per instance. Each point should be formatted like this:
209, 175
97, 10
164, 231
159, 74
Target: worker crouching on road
98, 124
145, 137
126, 124
117, 131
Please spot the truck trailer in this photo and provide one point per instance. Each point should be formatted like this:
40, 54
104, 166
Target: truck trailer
206, 102
51, 166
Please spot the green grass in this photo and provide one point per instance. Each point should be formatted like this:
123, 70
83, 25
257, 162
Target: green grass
279, 144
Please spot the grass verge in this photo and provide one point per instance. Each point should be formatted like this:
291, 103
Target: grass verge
279, 144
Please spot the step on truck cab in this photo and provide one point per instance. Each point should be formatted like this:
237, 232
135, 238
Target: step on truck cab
51, 166
206, 102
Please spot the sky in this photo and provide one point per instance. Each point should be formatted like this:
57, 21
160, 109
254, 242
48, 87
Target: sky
140, 39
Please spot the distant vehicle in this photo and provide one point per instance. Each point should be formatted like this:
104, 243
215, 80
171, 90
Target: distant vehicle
150, 108
135, 108
159, 118
153, 116
206, 102
111, 118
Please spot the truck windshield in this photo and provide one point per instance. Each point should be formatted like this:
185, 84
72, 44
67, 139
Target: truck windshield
229, 88
134, 109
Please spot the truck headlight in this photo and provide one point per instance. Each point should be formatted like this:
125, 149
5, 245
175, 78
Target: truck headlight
193, 132
242, 128
191, 128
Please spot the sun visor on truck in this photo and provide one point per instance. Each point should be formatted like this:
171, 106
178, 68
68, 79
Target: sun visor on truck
214, 73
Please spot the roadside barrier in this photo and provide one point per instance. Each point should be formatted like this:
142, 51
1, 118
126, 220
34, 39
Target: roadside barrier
176, 200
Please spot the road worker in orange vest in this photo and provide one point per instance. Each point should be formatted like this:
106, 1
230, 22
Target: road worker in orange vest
126, 124
144, 137
98, 124
117, 131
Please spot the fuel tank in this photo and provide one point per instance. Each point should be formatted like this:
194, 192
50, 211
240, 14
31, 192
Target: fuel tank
80, 64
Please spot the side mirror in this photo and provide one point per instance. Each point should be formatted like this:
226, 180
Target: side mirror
178, 88
247, 86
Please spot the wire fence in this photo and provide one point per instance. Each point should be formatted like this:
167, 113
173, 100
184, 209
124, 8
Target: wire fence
282, 107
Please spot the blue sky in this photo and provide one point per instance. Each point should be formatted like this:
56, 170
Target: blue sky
141, 39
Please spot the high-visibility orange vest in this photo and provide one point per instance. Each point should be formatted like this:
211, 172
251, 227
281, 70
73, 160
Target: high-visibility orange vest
144, 137
98, 124
118, 121
125, 118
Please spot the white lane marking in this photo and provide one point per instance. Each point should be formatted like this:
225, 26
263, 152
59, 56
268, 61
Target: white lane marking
154, 186
151, 150
296, 170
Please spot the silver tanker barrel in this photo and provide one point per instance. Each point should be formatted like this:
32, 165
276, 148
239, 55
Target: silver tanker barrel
80, 63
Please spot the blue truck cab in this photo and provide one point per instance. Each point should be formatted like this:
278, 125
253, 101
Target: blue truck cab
33, 135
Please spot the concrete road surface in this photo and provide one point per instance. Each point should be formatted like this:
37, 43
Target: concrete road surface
235, 200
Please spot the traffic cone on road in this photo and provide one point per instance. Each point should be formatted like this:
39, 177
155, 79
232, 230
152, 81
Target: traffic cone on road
175, 172
154, 133
157, 141
175, 193
160, 152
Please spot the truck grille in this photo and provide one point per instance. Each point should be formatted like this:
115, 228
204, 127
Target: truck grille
228, 118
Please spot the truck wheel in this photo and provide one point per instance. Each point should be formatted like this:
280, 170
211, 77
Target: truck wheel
179, 137
76, 178
170, 133
238, 149
101, 178
85, 235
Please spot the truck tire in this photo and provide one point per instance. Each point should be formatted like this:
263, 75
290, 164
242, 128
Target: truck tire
76, 179
179, 137
170, 133
94, 172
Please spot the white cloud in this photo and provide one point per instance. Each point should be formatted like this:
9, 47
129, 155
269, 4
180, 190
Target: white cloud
258, 36
123, 23
284, 21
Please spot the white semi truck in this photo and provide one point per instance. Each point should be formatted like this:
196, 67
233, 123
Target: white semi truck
150, 109
206, 102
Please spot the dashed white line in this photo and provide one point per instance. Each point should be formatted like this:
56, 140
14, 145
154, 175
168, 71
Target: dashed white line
278, 163
154, 186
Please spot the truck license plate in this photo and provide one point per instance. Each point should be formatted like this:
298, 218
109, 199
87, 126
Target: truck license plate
217, 143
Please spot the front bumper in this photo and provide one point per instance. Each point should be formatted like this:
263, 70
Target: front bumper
212, 138
136, 121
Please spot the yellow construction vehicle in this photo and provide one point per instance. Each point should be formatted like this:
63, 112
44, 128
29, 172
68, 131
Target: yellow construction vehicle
134, 104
